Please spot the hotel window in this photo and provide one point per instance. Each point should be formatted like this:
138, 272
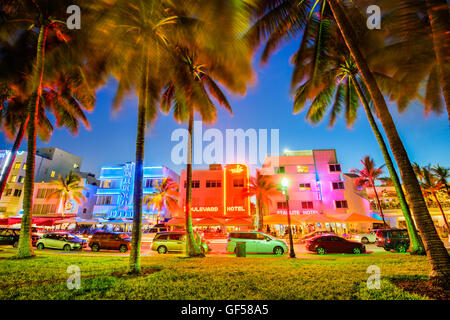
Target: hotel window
17, 165
307, 205
20, 180
335, 167
52, 174
338, 185
302, 169
8, 192
13, 179
341, 204
17, 192
213, 183
24, 166
238, 183
195, 183
104, 200
305, 186
148, 183
282, 205
279, 170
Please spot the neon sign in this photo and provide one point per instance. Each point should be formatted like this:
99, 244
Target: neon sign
239, 168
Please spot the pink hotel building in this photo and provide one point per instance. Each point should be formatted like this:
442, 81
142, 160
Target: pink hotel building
317, 184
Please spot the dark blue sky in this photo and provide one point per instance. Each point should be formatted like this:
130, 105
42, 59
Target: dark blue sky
266, 105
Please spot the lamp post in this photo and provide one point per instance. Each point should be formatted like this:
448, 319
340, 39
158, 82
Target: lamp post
284, 186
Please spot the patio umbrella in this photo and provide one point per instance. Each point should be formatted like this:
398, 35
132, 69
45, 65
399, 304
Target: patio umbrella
177, 222
281, 219
359, 218
319, 218
238, 222
209, 222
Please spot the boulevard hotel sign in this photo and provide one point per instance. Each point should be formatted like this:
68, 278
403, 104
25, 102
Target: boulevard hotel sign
217, 192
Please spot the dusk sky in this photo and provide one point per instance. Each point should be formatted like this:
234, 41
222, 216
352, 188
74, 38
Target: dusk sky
267, 105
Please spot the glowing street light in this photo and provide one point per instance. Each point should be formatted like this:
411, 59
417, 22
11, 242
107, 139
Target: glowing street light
284, 187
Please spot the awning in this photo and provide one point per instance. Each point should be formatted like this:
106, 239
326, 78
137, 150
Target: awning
319, 218
238, 222
38, 221
357, 218
209, 222
281, 219
177, 222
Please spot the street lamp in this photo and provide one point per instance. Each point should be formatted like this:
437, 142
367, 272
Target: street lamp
284, 186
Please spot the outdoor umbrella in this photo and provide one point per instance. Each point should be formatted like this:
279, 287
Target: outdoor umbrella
209, 222
177, 222
281, 219
239, 222
359, 218
319, 218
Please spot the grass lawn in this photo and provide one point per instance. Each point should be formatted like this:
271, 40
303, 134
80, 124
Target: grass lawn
174, 277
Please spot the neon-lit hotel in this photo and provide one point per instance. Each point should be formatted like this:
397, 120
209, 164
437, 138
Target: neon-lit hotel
115, 193
317, 184
217, 193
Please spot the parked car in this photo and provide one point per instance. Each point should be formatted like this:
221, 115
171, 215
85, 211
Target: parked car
330, 243
366, 238
160, 227
397, 239
308, 236
256, 242
64, 241
110, 241
11, 236
168, 241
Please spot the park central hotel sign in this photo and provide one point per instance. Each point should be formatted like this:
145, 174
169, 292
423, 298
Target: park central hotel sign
217, 191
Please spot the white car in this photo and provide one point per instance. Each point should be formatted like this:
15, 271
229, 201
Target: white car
366, 237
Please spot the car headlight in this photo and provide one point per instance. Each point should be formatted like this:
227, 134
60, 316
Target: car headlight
76, 245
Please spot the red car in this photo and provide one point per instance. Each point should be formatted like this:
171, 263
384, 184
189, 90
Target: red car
330, 243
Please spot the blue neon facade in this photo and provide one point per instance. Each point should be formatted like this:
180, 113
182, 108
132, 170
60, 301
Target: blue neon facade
115, 193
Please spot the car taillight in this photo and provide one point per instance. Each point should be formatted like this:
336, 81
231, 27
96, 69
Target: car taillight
388, 240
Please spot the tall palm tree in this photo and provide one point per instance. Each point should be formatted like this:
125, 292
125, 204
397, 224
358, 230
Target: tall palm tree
336, 83
65, 94
262, 187
431, 186
144, 29
44, 18
278, 21
443, 174
67, 188
193, 82
165, 196
367, 177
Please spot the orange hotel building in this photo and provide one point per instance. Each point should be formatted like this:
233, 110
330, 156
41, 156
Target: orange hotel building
217, 196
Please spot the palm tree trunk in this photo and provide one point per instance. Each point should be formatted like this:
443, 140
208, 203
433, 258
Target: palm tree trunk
379, 203
442, 210
134, 262
15, 148
416, 246
438, 256
25, 249
439, 16
192, 249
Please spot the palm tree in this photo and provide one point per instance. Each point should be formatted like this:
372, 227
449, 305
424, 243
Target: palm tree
67, 188
431, 186
66, 94
278, 21
262, 187
193, 82
164, 197
44, 18
144, 30
336, 83
442, 174
367, 177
